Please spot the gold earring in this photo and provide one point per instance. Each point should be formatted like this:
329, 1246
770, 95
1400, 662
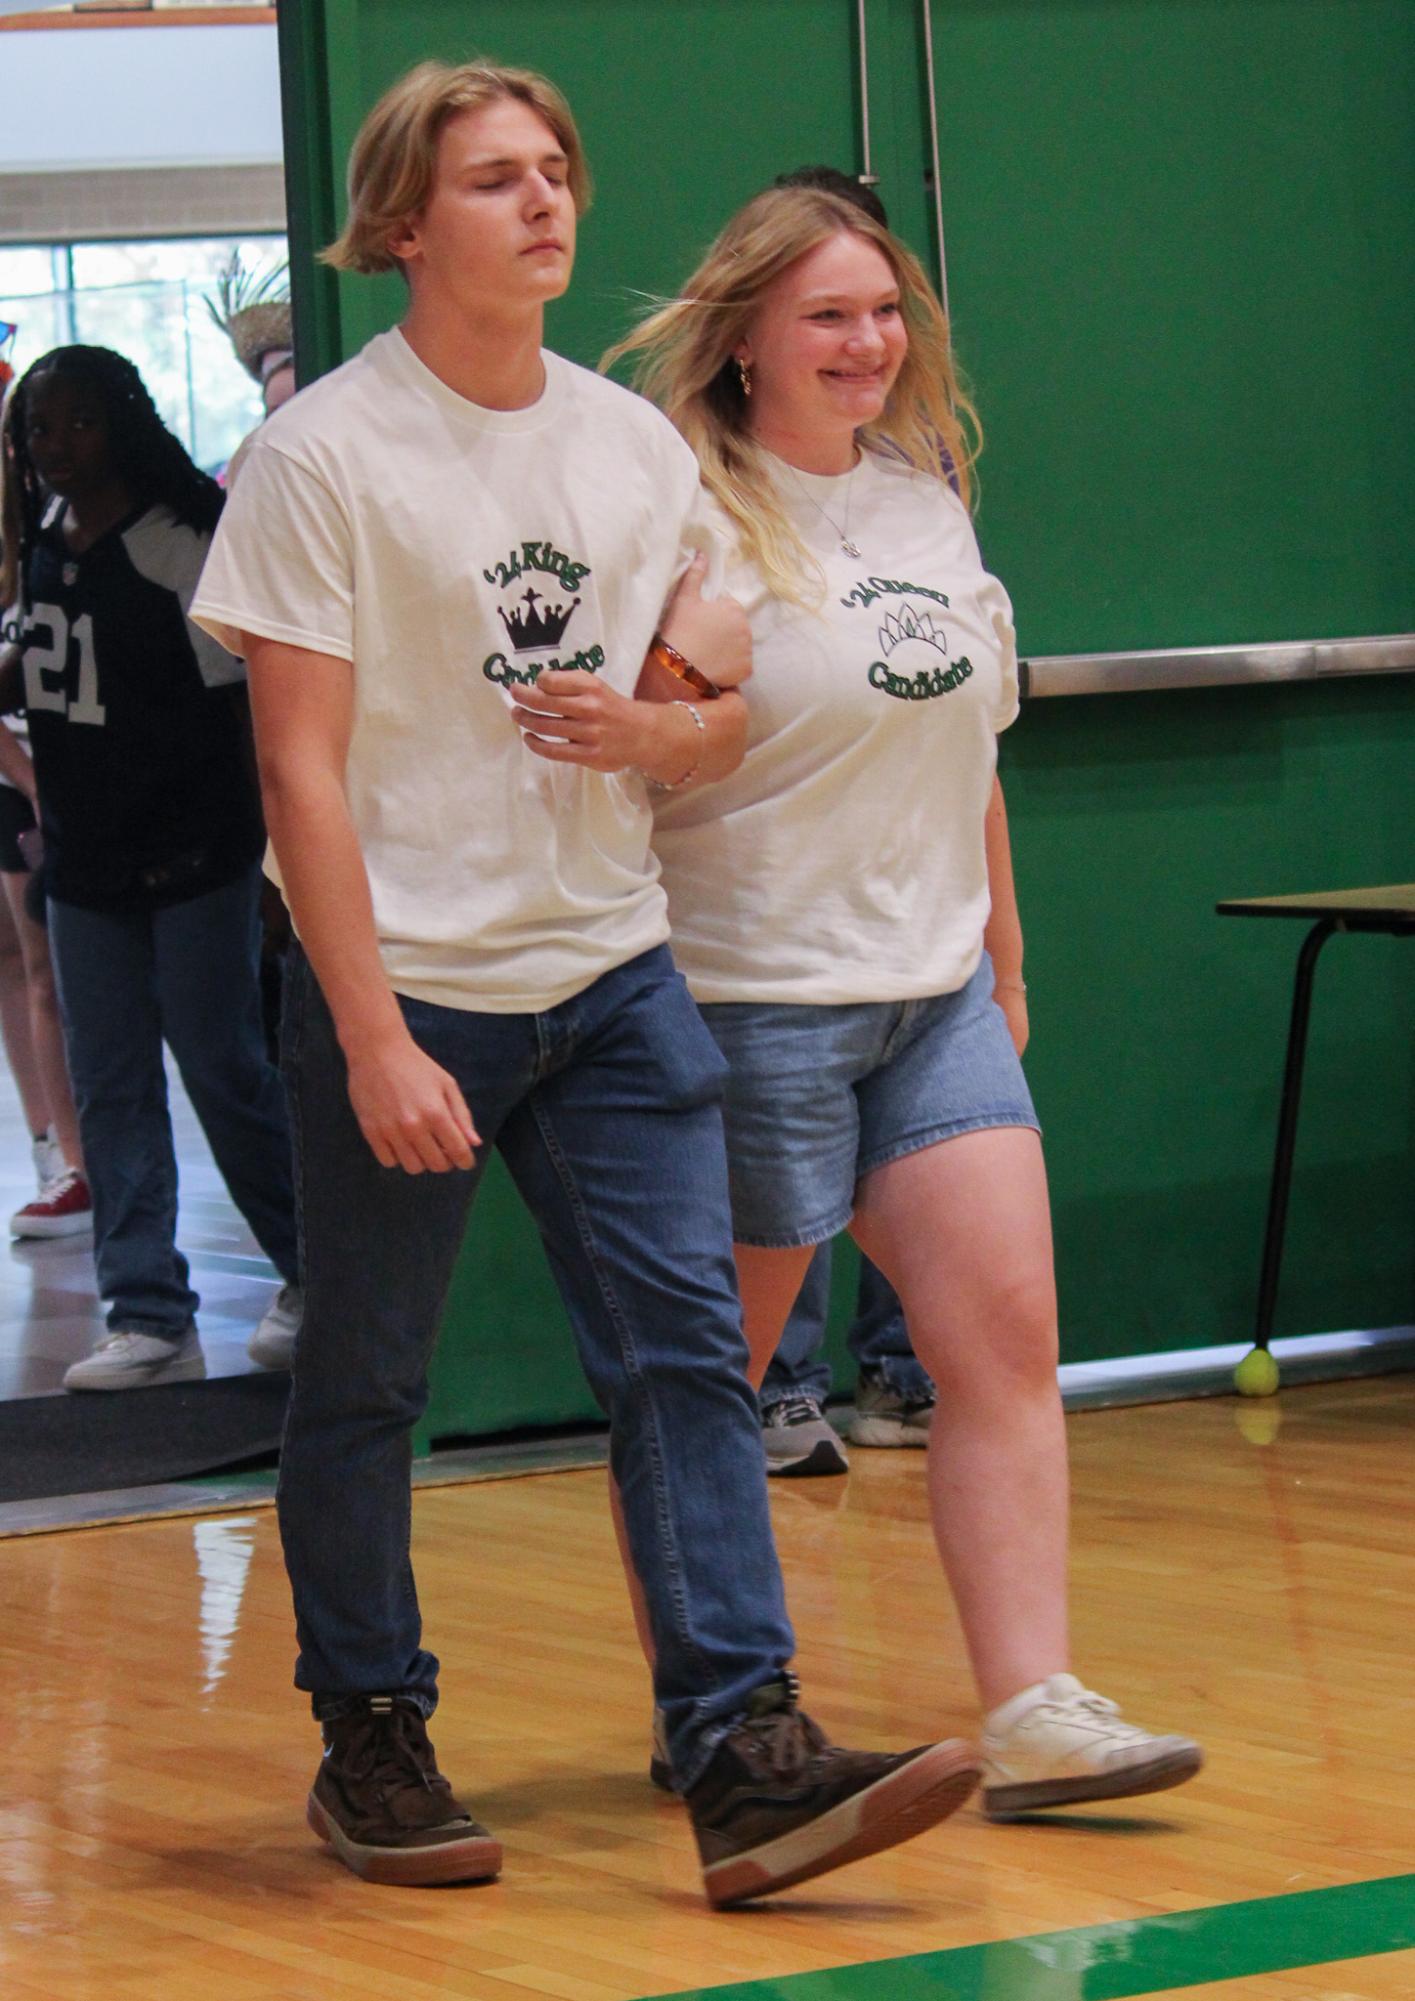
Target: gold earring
745, 373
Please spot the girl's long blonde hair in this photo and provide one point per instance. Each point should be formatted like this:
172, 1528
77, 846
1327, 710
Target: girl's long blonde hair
685, 365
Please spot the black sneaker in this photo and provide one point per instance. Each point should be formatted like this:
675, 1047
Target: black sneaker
385, 1809
779, 1803
799, 1439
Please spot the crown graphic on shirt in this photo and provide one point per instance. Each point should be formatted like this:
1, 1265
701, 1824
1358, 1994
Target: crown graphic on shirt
540, 624
911, 623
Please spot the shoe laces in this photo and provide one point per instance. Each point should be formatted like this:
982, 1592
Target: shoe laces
783, 1741
1089, 1711
119, 1343
68, 1178
392, 1748
793, 1410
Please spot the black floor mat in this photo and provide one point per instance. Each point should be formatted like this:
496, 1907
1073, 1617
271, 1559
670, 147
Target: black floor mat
136, 1438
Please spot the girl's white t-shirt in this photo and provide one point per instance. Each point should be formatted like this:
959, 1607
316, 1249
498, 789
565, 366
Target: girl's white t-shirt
452, 552
844, 860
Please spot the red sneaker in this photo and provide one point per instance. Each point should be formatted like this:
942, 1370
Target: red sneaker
62, 1209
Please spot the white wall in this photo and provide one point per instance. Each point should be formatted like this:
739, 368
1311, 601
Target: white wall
138, 97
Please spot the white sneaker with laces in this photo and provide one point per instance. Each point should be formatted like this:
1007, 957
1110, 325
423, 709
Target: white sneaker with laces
1057, 1744
127, 1360
272, 1345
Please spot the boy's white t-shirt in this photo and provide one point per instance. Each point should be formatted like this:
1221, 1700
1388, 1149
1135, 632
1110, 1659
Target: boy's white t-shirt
451, 552
844, 860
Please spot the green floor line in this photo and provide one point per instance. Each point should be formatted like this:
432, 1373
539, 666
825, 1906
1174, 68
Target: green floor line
1136, 1956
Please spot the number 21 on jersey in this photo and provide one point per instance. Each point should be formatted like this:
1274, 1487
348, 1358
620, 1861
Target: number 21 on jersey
47, 667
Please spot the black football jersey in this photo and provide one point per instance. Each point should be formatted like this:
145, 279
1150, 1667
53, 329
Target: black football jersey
146, 789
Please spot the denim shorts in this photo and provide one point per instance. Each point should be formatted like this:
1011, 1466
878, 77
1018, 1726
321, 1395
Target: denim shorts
819, 1096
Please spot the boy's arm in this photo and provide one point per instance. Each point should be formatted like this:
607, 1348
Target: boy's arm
412, 1113
653, 732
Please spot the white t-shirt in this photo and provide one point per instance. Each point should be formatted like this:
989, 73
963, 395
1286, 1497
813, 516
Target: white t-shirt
451, 552
844, 860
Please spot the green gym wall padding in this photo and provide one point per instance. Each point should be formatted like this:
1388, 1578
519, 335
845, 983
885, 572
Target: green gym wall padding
1179, 239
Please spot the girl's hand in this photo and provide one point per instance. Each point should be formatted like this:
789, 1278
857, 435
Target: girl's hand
711, 632
575, 718
1012, 999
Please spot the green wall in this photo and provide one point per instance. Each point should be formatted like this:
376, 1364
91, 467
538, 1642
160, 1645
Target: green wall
1176, 231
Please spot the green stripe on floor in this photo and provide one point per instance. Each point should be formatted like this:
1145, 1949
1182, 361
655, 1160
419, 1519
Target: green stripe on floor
1136, 1956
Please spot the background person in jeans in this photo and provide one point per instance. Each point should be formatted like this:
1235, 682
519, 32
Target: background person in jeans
152, 837
446, 563
894, 1397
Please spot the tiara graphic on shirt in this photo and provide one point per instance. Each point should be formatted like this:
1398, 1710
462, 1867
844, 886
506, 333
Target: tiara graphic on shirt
911, 623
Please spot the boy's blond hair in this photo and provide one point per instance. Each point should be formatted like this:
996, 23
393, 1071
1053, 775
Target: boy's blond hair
394, 162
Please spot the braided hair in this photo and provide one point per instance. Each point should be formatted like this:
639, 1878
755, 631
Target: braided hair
150, 461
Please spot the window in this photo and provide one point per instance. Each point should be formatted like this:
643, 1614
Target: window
149, 301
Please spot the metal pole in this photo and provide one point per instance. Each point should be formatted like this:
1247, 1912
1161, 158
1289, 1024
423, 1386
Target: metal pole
933, 148
1286, 1146
869, 178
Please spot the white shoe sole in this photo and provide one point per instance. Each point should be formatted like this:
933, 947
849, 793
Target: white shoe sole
1155, 1775
271, 1354
477, 1859
192, 1370
905, 1802
51, 1226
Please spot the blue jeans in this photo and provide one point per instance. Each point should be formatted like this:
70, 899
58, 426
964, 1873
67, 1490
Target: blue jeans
878, 1338
187, 975
607, 1111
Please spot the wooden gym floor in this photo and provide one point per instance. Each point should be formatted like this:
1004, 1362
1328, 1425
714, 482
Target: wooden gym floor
1242, 1572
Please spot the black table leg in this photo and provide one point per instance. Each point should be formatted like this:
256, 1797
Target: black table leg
1287, 1127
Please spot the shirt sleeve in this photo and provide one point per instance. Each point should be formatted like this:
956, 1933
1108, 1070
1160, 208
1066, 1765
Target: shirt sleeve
999, 608
281, 564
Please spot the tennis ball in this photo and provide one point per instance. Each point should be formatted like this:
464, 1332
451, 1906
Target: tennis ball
1258, 1422
1256, 1375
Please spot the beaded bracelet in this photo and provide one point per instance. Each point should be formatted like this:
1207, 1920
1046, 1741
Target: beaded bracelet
672, 784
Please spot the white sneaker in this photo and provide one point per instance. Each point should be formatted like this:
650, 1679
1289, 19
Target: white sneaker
273, 1343
127, 1360
1058, 1743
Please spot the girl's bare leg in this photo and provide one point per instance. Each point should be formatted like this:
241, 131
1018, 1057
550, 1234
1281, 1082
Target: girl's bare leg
15, 1029
46, 1027
962, 1230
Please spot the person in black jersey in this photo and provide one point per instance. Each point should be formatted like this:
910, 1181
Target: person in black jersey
152, 833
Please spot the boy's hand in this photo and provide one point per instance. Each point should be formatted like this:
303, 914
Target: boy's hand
575, 718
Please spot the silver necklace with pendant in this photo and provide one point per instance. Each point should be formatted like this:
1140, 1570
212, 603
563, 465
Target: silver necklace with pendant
847, 547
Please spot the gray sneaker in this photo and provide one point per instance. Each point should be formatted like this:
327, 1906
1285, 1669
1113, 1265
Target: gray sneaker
273, 1343
127, 1360
886, 1416
800, 1440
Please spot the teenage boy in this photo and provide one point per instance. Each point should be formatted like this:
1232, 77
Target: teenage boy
446, 564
